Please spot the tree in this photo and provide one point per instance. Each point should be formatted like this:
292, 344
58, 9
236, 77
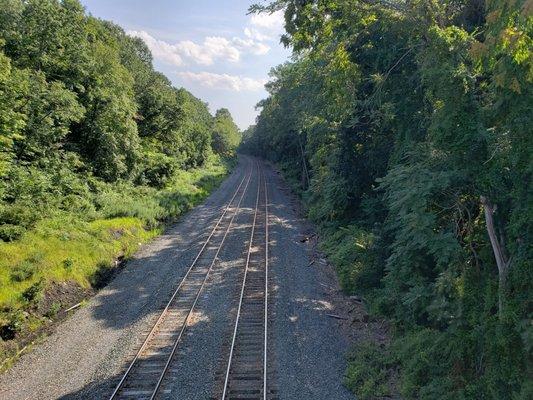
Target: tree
404, 115
13, 89
226, 134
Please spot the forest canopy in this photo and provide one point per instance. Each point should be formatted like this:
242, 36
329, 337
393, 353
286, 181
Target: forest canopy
406, 127
80, 103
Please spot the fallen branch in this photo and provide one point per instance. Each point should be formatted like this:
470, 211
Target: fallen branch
336, 316
357, 299
73, 307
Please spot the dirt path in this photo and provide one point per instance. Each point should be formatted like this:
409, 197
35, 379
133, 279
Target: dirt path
85, 357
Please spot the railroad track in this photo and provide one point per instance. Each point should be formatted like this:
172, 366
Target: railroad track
247, 372
144, 375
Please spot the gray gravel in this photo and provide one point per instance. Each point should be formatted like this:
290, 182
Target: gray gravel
307, 347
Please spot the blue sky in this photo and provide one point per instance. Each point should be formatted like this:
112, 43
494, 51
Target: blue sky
210, 47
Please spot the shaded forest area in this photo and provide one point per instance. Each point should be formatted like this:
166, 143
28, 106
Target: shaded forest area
406, 128
97, 152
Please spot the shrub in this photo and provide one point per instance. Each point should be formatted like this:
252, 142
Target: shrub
351, 249
23, 271
10, 232
158, 170
11, 322
68, 263
33, 293
368, 372
20, 214
54, 309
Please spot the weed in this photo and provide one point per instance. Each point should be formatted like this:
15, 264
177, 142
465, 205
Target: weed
54, 309
23, 271
68, 263
33, 293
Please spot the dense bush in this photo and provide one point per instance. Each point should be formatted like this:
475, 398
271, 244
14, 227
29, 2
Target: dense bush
368, 374
407, 127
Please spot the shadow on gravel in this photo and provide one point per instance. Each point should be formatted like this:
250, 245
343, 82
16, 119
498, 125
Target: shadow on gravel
188, 365
201, 358
147, 281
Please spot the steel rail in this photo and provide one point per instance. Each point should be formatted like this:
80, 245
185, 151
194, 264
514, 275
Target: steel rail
241, 298
165, 310
184, 326
266, 291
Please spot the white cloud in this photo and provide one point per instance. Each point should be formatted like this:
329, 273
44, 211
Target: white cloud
213, 48
260, 28
160, 49
224, 81
255, 34
251, 46
271, 22
265, 27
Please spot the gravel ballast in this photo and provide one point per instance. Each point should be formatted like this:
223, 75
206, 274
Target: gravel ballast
310, 346
84, 357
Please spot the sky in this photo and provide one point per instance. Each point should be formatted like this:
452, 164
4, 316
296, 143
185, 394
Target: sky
210, 47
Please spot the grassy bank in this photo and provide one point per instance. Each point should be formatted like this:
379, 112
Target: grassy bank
68, 253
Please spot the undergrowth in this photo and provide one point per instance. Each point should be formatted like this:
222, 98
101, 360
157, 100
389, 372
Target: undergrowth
66, 245
369, 371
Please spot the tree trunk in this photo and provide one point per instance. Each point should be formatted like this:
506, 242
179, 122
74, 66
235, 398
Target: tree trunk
499, 252
304, 164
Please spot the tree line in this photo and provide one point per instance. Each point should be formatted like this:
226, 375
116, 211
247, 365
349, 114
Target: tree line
81, 106
406, 128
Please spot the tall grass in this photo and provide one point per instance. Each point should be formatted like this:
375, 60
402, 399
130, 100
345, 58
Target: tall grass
73, 246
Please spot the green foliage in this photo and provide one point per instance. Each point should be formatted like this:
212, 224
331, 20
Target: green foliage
129, 202
80, 103
33, 293
23, 271
9, 232
69, 246
393, 119
352, 250
226, 135
368, 372
54, 309
158, 169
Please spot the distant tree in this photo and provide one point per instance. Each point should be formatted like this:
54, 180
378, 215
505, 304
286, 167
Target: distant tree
226, 134
196, 128
13, 90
